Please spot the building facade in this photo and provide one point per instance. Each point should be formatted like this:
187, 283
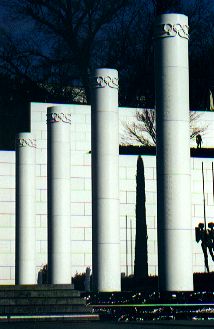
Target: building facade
80, 225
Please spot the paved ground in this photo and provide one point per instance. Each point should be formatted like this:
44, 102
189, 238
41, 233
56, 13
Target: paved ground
108, 325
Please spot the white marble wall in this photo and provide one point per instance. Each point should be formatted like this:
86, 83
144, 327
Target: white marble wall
7, 217
81, 194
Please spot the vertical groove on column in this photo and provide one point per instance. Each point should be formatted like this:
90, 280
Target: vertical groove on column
105, 183
59, 238
173, 153
25, 209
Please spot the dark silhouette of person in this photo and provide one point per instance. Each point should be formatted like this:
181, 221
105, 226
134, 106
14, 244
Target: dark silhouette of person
198, 141
206, 238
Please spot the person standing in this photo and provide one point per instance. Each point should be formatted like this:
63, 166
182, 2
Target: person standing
198, 141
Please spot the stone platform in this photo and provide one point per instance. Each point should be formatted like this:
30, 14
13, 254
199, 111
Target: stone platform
34, 301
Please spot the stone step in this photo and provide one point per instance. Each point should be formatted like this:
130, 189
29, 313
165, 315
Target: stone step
12, 291
41, 301
43, 309
36, 300
39, 293
37, 287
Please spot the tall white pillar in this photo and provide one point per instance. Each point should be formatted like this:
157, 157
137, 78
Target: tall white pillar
173, 153
105, 183
25, 209
59, 201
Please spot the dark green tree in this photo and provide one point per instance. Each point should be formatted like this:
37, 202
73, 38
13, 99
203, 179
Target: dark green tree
141, 249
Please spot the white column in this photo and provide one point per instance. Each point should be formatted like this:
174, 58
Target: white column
59, 238
105, 185
25, 209
173, 153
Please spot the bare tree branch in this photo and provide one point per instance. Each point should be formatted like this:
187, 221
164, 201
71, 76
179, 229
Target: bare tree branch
143, 130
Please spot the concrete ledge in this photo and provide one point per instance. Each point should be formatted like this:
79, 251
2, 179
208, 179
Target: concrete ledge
61, 317
151, 150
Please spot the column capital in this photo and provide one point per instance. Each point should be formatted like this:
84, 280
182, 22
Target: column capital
171, 25
171, 30
104, 78
105, 81
25, 141
56, 117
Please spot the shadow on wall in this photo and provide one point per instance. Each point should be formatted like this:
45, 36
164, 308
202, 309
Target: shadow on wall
141, 250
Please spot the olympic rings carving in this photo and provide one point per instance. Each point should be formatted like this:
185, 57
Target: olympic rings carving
171, 30
102, 82
23, 142
59, 117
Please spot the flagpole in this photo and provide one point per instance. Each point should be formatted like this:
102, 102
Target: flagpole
131, 248
213, 180
126, 246
205, 224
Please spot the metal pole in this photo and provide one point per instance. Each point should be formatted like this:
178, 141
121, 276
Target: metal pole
213, 180
126, 246
131, 248
205, 224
